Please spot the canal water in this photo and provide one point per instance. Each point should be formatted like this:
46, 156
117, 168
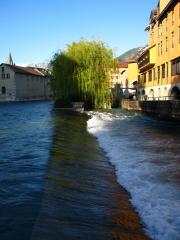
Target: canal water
57, 182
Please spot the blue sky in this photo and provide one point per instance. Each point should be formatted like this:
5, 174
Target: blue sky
33, 30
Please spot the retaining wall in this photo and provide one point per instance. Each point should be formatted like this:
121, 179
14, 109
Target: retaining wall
169, 109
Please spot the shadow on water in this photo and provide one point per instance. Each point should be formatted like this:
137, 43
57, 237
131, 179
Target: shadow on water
82, 199
25, 139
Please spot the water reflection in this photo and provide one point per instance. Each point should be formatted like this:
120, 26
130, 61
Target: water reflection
82, 199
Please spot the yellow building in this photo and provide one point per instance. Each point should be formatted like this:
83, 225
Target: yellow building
132, 73
159, 64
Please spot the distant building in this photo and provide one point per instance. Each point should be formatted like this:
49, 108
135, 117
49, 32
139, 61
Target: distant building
19, 83
159, 64
118, 75
119, 82
132, 78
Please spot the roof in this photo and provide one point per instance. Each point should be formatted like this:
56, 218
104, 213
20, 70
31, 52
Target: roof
122, 64
24, 70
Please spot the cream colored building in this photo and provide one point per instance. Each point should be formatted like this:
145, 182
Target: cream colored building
119, 74
19, 83
159, 64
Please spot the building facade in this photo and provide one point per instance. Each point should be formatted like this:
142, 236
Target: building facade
133, 78
159, 64
119, 74
19, 83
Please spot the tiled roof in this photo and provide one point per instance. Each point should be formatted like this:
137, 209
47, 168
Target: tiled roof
123, 64
25, 70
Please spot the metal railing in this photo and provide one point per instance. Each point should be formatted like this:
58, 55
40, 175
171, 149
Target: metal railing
163, 98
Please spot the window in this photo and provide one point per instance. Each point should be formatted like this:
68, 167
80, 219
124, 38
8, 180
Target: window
167, 70
175, 67
166, 44
152, 37
150, 75
159, 92
3, 90
3, 75
7, 75
139, 79
144, 75
163, 71
161, 47
166, 25
173, 17
172, 39
158, 49
159, 30
154, 73
2, 69
158, 73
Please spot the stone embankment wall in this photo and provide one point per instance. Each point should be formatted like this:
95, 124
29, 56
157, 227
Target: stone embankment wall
164, 109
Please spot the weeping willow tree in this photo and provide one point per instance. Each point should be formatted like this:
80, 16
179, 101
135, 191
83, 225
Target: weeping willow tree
81, 73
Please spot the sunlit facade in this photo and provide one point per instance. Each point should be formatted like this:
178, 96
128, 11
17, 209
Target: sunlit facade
159, 64
119, 74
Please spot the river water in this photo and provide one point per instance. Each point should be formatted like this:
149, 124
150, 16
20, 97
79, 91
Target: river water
57, 183
146, 155
25, 140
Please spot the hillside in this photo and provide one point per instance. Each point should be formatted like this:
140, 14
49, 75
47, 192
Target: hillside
131, 54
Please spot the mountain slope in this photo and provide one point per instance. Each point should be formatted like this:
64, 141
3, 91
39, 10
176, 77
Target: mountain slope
130, 55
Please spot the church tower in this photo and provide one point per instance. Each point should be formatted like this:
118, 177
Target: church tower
9, 59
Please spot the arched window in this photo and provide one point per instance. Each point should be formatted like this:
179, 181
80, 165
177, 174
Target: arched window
151, 94
143, 92
175, 93
165, 93
3, 90
159, 93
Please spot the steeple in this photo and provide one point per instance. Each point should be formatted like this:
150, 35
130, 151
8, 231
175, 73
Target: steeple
9, 59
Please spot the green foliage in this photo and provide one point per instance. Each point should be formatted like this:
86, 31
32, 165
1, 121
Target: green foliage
81, 73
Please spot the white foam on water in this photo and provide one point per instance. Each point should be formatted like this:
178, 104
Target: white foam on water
156, 201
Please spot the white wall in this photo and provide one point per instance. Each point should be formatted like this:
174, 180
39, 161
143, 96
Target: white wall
8, 83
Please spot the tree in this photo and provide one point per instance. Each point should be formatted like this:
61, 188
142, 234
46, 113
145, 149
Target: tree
81, 73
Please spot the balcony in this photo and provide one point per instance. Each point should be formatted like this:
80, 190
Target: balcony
147, 59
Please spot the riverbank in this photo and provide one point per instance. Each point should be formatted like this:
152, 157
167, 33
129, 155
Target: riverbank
167, 109
82, 199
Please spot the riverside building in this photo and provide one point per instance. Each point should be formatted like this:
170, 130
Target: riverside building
19, 83
119, 80
119, 74
159, 64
